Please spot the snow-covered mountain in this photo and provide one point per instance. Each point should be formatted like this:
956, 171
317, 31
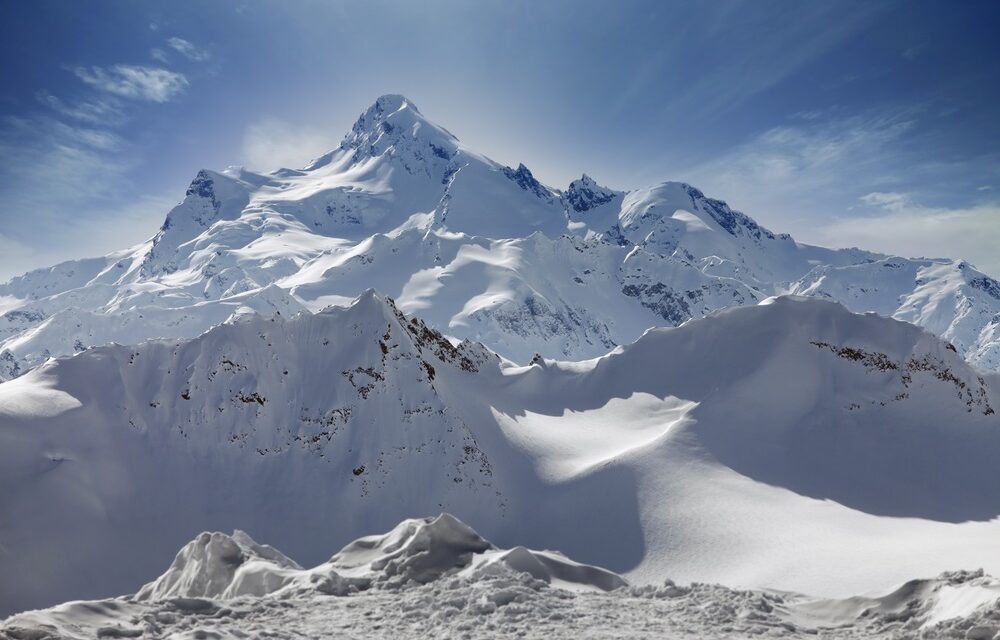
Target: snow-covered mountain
738, 448
436, 577
482, 251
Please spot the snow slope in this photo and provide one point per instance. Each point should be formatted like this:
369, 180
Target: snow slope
436, 577
792, 445
482, 251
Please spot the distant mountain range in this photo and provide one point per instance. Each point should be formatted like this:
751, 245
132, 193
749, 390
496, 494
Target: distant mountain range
479, 250
647, 381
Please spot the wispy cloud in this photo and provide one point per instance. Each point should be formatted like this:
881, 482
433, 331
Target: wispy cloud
786, 173
67, 169
903, 226
51, 166
746, 65
62, 182
134, 81
188, 49
98, 111
859, 180
890, 201
270, 144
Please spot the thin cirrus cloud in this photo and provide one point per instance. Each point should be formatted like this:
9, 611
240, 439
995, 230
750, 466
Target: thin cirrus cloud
188, 49
898, 224
69, 163
99, 111
138, 82
855, 180
890, 201
62, 182
272, 143
784, 174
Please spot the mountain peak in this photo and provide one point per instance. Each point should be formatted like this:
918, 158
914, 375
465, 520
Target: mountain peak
393, 102
382, 110
523, 178
585, 194
393, 122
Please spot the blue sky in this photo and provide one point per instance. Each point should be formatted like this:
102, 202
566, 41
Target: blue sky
844, 123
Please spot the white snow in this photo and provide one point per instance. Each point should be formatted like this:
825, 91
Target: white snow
782, 446
455, 584
238, 372
34, 399
574, 442
482, 251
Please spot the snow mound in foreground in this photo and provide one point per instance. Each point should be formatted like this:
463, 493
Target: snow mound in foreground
459, 584
215, 565
417, 551
954, 595
549, 567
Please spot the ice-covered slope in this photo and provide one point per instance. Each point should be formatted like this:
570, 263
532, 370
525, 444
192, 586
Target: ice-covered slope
436, 577
792, 444
481, 250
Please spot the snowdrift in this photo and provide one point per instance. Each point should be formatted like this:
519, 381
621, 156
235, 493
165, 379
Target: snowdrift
417, 551
437, 577
791, 445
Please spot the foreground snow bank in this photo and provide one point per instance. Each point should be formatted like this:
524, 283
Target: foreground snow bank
436, 577
417, 551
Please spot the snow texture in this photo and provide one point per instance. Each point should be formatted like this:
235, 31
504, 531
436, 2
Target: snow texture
735, 449
457, 585
482, 251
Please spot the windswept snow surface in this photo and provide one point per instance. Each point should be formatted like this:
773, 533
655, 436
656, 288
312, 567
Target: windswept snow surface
436, 577
480, 250
791, 445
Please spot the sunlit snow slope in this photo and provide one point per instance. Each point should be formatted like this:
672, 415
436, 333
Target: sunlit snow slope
792, 444
480, 250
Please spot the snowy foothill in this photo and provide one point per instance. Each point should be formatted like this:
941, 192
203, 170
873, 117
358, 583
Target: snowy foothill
784, 446
437, 577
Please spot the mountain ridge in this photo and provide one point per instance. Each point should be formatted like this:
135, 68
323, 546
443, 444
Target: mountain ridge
776, 425
481, 250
